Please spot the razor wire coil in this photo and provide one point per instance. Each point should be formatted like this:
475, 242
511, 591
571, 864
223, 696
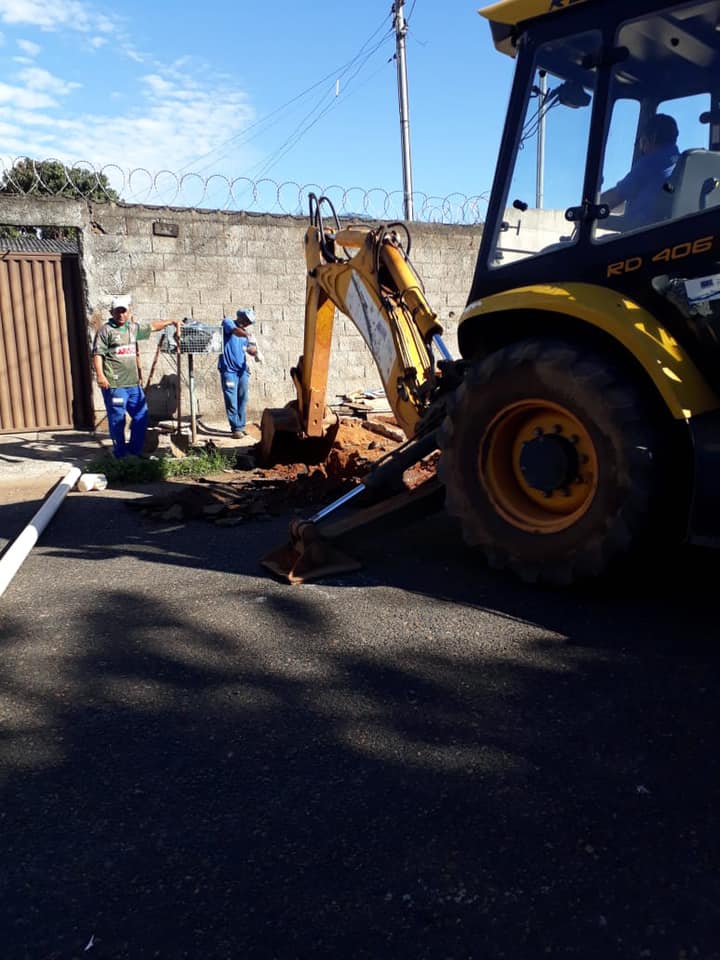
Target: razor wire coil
112, 183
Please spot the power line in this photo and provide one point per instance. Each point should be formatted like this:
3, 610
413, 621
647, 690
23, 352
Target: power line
306, 124
241, 138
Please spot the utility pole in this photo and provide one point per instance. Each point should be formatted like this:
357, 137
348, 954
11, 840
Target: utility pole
400, 34
540, 176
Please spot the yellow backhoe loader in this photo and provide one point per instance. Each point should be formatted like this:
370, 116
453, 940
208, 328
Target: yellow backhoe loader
583, 416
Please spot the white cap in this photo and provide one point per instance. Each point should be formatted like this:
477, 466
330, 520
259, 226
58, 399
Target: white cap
123, 301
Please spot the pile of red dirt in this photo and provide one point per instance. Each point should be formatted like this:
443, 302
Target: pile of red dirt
264, 492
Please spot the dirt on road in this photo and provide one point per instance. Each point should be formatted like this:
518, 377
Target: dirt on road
240, 494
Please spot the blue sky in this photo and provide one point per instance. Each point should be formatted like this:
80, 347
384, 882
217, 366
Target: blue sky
208, 88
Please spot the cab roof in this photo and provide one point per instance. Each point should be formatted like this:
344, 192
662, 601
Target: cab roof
512, 12
505, 15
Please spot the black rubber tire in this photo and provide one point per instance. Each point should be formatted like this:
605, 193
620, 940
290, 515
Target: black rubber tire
622, 429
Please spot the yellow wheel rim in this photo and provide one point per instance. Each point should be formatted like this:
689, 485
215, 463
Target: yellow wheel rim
539, 466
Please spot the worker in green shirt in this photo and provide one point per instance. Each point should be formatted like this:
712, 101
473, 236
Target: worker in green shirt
117, 367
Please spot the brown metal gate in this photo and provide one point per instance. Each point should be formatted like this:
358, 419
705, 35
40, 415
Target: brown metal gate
44, 367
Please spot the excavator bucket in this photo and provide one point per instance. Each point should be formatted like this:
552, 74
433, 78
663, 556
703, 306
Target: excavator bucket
307, 556
311, 553
282, 439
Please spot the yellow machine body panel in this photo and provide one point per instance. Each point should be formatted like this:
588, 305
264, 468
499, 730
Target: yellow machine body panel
683, 388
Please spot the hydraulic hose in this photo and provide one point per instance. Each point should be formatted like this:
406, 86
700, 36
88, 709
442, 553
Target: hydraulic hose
385, 472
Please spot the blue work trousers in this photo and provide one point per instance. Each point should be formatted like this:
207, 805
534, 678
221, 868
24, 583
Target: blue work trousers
235, 393
130, 401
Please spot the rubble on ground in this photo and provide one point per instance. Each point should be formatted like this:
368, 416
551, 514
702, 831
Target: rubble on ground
255, 492
363, 402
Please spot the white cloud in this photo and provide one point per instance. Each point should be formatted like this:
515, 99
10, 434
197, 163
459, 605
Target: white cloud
47, 16
37, 89
61, 15
167, 117
158, 86
30, 48
38, 79
104, 24
174, 119
25, 99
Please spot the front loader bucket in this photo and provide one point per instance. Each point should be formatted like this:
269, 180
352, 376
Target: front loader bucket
282, 440
307, 556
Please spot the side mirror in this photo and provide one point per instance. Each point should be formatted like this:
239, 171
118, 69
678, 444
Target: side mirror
572, 94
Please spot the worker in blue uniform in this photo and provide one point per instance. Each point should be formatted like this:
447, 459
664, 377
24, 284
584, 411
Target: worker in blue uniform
238, 344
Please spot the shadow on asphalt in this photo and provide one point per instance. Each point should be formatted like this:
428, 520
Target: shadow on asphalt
174, 795
62, 445
668, 602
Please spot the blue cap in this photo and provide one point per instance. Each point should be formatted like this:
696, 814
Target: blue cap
247, 315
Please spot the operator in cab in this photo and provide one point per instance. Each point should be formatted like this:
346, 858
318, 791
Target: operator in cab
640, 189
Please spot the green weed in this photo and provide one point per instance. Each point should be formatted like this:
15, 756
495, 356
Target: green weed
198, 463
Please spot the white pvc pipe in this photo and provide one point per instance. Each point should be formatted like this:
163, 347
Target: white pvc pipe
12, 559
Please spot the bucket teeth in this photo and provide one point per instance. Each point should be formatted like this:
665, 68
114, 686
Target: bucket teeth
308, 557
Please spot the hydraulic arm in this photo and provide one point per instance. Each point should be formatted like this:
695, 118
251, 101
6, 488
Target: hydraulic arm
376, 286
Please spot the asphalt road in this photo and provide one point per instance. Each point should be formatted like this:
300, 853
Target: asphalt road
421, 760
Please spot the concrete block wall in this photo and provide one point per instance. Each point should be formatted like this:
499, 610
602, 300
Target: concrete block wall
221, 261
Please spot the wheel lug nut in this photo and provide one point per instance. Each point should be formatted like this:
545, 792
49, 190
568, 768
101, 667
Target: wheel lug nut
574, 438
557, 428
548, 494
538, 432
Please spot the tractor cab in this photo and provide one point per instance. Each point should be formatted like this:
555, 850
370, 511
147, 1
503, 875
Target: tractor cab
609, 168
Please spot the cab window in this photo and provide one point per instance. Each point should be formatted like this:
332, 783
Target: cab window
548, 169
661, 156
